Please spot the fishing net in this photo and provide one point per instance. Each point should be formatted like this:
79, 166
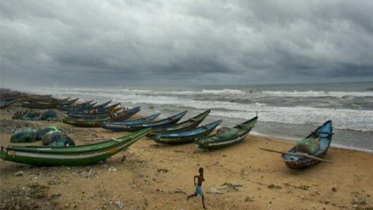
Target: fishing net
31, 115
310, 146
225, 132
61, 140
24, 135
48, 115
47, 137
41, 132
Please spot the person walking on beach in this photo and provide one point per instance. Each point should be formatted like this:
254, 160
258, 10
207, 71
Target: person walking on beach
198, 191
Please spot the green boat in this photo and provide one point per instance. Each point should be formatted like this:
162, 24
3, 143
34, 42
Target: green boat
185, 125
217, 141
96, 122
72, 155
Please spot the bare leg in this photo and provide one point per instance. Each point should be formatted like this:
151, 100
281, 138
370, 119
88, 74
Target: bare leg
203, 202
192, 195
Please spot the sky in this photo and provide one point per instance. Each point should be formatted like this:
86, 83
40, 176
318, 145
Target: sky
107, 43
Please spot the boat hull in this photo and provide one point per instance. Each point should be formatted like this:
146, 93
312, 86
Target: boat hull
185, 125
131, 128
187, 136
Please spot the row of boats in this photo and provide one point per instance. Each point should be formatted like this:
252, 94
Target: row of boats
165, 131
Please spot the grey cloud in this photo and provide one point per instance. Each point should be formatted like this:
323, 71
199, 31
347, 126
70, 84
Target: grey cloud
163, 42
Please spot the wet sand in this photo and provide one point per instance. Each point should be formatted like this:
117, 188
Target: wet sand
153, 176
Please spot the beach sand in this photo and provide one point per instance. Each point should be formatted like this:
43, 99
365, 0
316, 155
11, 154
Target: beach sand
156, 176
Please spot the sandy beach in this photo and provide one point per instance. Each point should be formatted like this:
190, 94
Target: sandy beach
152, 176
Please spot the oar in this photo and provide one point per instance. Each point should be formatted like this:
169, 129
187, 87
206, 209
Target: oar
298, 154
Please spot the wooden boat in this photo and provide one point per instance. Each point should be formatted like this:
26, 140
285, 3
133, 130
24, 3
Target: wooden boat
150, 118
38, 105
70, 107
324, 133
96, 122
92, 110
167, 121
68, 102
4, 104
217, 142
185, 125
97, 113
102, 105
72, 155
186, 136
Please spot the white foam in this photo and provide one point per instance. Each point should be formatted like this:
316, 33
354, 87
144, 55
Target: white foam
306, 94
360, 120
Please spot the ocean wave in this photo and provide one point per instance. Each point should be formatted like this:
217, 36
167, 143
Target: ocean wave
359, 120
305, 94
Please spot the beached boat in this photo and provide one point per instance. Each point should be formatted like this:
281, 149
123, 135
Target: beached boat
71, 107
71, 155
4, 104
185, 125
38, 105
95, 113
96, 122
150, 118
221, 141
186, 136
102, 105
134, 127
324, 134
67, 101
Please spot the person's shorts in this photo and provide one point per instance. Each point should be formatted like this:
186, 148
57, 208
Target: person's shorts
199, 191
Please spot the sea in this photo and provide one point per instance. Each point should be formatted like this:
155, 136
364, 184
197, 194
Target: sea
285, 111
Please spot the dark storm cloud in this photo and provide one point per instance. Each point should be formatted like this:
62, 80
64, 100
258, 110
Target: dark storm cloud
114, 42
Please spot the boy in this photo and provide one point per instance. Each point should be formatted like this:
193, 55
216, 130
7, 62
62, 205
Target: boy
198, 186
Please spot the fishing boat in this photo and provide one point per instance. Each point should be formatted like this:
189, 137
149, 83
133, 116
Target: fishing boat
71, 155
38, 105
4, 104
102, 105
185, 125
67, 102
324, 135
186, 136
95, 113
96, 122
150, 118
135, 127
71, 107
217, 141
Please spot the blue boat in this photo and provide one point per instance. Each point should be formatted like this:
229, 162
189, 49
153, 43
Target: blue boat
324, 134
135, 127
186, 136
113, 125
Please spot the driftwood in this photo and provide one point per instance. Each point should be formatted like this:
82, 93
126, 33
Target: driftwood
298, 154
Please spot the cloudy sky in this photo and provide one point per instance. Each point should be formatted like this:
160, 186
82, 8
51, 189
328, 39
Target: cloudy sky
158, 42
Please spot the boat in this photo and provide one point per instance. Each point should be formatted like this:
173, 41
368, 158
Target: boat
324, 134
185, 125
4, 104
68, 102
70, 155
71, 107
102, 105
164, 122
150, 118
221, 141
186, 136
96, 122
94, 113
38, 105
